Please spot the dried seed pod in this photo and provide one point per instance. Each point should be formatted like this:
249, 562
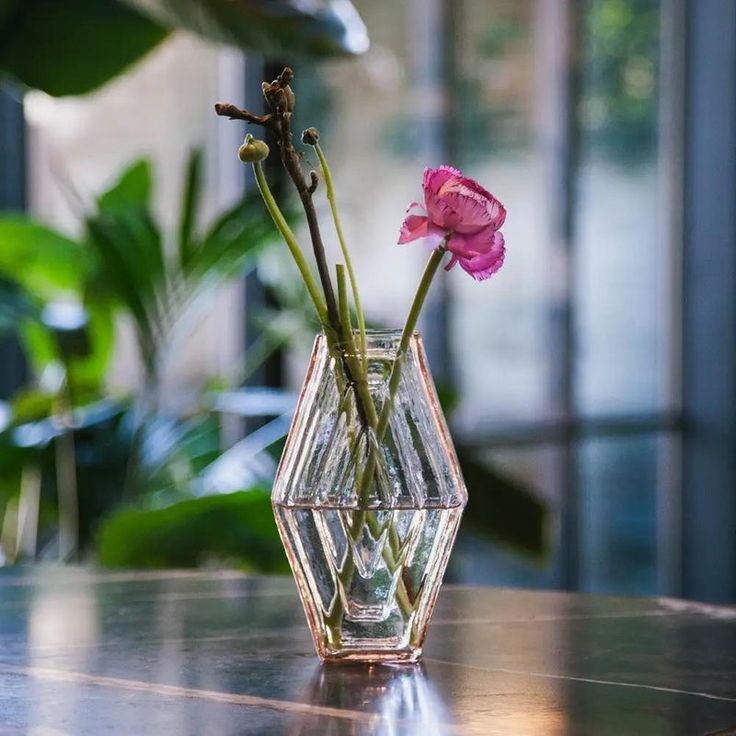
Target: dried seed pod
310, 136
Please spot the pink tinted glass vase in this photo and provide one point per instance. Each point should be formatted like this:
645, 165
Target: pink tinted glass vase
368, 516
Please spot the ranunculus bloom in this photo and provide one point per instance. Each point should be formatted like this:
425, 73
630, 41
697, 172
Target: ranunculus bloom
460, 207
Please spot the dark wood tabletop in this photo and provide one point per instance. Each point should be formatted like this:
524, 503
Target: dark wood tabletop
85, 652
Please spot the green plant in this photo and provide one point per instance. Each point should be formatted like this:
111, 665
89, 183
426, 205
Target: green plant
67, 443
75, 46
235, 527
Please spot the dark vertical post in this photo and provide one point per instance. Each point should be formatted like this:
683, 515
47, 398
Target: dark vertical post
709, 308
12, 197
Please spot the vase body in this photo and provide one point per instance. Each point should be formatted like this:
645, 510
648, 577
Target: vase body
368, 502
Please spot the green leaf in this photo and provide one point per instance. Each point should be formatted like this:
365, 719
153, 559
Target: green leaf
235, 526
38, 345
90, 370
16, 304
123, 273
131, 190
129, 250
235, 238
32, 405
40, 259
70, 47
503, 509
230, 246
274, 27
124, 212
171, 453
190, 203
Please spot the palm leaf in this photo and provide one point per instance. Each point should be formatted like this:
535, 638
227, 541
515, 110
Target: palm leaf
190, 203
43, 261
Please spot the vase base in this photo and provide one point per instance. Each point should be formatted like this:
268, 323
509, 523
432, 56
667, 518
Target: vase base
373, 656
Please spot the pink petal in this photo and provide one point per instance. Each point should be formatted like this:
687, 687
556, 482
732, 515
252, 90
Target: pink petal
468, 245
483, 266
439, 211
451, 263
474, 210
497, 210
413, 227
435, 178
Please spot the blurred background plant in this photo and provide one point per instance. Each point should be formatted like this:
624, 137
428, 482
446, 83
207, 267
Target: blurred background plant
71, 451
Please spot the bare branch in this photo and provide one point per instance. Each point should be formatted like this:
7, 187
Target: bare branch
228, 110
315, 182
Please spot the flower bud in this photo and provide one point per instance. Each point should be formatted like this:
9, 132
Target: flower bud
253, 150
310, 136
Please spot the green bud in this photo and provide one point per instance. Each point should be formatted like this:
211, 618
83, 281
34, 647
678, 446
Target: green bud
310, 136
253, 150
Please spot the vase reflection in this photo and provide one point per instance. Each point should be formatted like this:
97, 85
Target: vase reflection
372, 699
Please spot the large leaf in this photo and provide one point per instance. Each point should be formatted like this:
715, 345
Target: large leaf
273, 27
504, 509
41, 260
69, 47
233, 527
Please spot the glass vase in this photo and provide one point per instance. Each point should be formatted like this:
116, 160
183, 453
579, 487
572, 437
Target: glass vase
368, 497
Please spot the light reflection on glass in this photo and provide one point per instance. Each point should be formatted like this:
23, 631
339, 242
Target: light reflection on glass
383, 699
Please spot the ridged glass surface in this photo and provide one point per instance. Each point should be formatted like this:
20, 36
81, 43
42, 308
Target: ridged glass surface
368, 517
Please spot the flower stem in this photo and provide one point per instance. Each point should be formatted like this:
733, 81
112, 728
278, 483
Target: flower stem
290, 239
332, 199
411, 322
349, 352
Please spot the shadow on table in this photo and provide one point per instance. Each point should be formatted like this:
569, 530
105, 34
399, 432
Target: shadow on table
372, 699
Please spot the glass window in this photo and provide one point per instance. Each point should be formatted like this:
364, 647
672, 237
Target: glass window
574, 330
618, 520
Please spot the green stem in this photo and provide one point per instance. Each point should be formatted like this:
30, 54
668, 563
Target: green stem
350, 353
411, 322
332, 199
290, 239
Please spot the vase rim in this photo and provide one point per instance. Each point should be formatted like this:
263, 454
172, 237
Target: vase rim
382, 332
385, 341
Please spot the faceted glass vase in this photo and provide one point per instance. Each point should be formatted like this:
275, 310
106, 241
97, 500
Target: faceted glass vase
368, 504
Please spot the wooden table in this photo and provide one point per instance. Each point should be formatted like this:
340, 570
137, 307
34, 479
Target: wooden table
83, 652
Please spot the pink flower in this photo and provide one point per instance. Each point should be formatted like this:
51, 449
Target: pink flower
471, 216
